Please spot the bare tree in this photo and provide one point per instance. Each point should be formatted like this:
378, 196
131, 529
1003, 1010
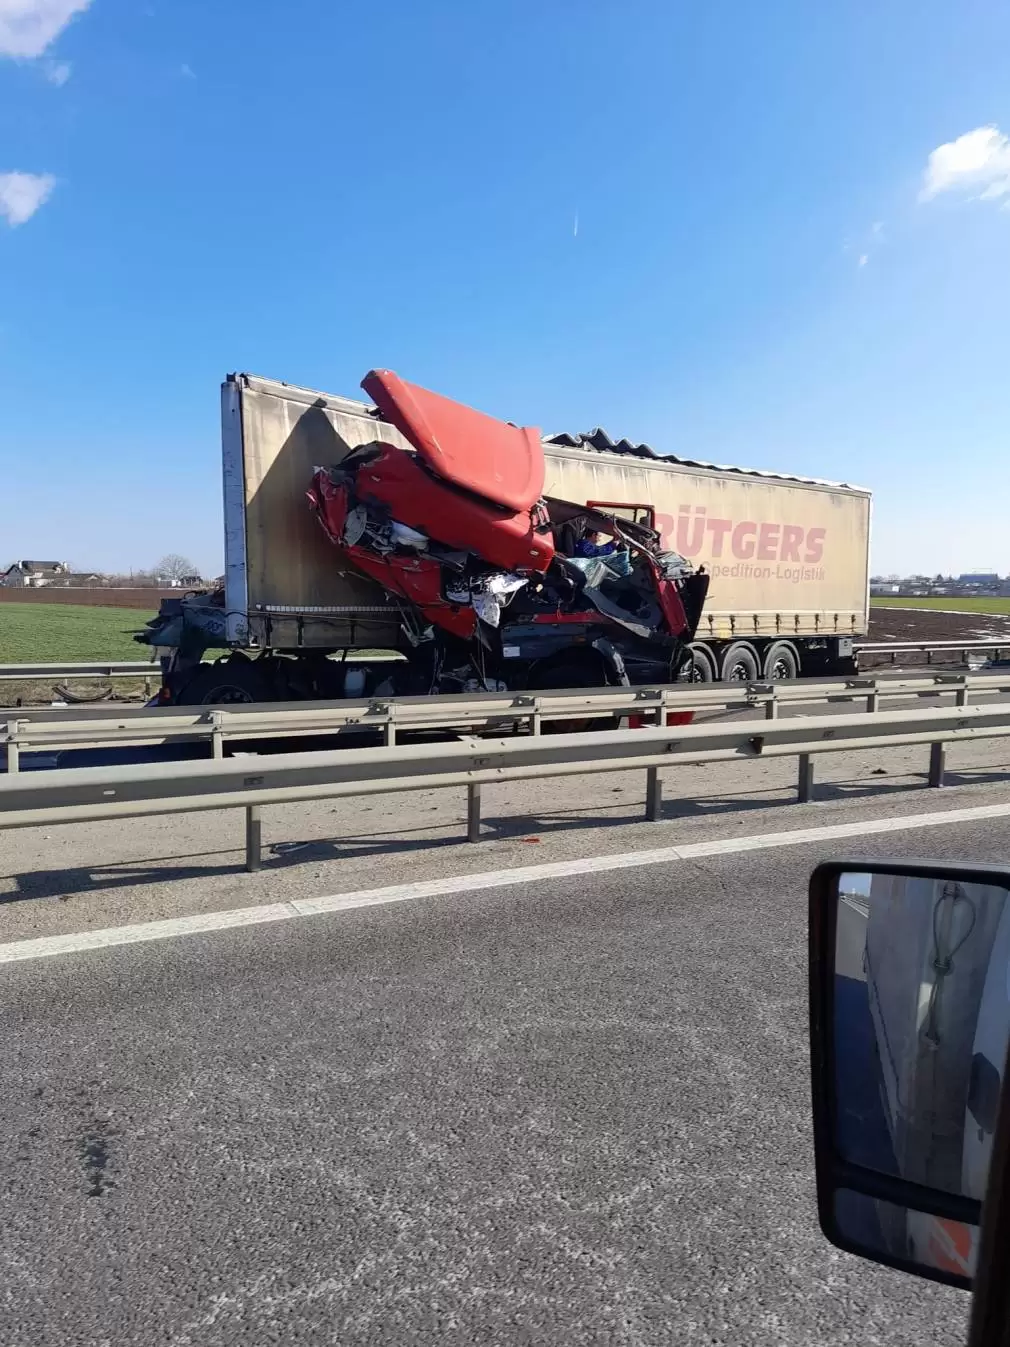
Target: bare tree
174, 567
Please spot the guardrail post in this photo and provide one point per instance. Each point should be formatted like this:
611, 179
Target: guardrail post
216, 736
13, 750
653, 781
473, 812
873, 701
961, 697
937, 764
772, 708
805, 780
653, 795
390, 735
253, 838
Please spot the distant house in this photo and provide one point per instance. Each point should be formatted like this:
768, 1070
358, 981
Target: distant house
33, 574
81, 580
178, 581
979, 578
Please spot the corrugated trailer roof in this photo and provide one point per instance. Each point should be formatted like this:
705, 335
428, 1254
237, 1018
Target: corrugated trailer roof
599, 441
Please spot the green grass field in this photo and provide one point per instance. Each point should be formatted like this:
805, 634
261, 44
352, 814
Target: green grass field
62, 633
951, 605
35, 633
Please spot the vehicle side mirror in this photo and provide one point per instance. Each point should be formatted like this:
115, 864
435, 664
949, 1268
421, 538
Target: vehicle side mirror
909, 1022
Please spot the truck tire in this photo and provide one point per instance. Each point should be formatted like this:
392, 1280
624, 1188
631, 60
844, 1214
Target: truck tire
781, 662
225, 683
572, 673
739, 664
700, 666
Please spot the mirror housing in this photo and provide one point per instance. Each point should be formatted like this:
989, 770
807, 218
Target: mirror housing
904, 1103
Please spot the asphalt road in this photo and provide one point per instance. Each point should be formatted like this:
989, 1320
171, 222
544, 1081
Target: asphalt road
572, 1112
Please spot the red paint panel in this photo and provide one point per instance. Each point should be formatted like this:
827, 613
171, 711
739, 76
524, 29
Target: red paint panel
417, 579
330, 504
421, 582
499, 537
670, 602
503, 463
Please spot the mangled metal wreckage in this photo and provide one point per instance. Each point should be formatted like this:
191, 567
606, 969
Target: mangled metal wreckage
483, 566
480, 569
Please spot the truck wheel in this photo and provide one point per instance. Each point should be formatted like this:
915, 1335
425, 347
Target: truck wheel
781, 662
699, 667
572, 674
739, 663
225, 683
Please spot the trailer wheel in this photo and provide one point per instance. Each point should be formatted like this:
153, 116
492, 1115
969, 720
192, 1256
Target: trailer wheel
739, 663
226, 683
781, 662
699, 667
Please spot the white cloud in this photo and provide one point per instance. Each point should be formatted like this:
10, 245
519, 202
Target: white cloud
187, 72
21, 194
863, 259
57, 72
977, 163
27, 27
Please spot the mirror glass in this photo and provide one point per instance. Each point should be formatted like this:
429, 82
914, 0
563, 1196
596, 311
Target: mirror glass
931, 1241
921, 1019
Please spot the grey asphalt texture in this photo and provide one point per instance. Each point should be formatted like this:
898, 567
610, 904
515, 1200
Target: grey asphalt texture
566, 1114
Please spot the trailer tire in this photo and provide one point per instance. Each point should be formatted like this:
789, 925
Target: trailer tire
699, 667
225, 683
739, 664
781, 662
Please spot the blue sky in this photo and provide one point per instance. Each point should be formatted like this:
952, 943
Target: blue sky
715, 227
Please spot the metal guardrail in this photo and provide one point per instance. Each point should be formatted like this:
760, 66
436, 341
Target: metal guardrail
51, 729
91, 793
907, 647
149, 668
117, 669
930, 648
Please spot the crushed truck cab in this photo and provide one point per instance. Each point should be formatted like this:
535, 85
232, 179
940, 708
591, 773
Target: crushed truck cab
457, 533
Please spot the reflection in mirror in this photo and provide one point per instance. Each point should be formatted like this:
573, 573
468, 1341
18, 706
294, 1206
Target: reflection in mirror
921, 1019
896, 1232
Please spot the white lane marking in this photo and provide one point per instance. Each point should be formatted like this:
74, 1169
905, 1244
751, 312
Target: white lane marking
142, 931
45, 946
